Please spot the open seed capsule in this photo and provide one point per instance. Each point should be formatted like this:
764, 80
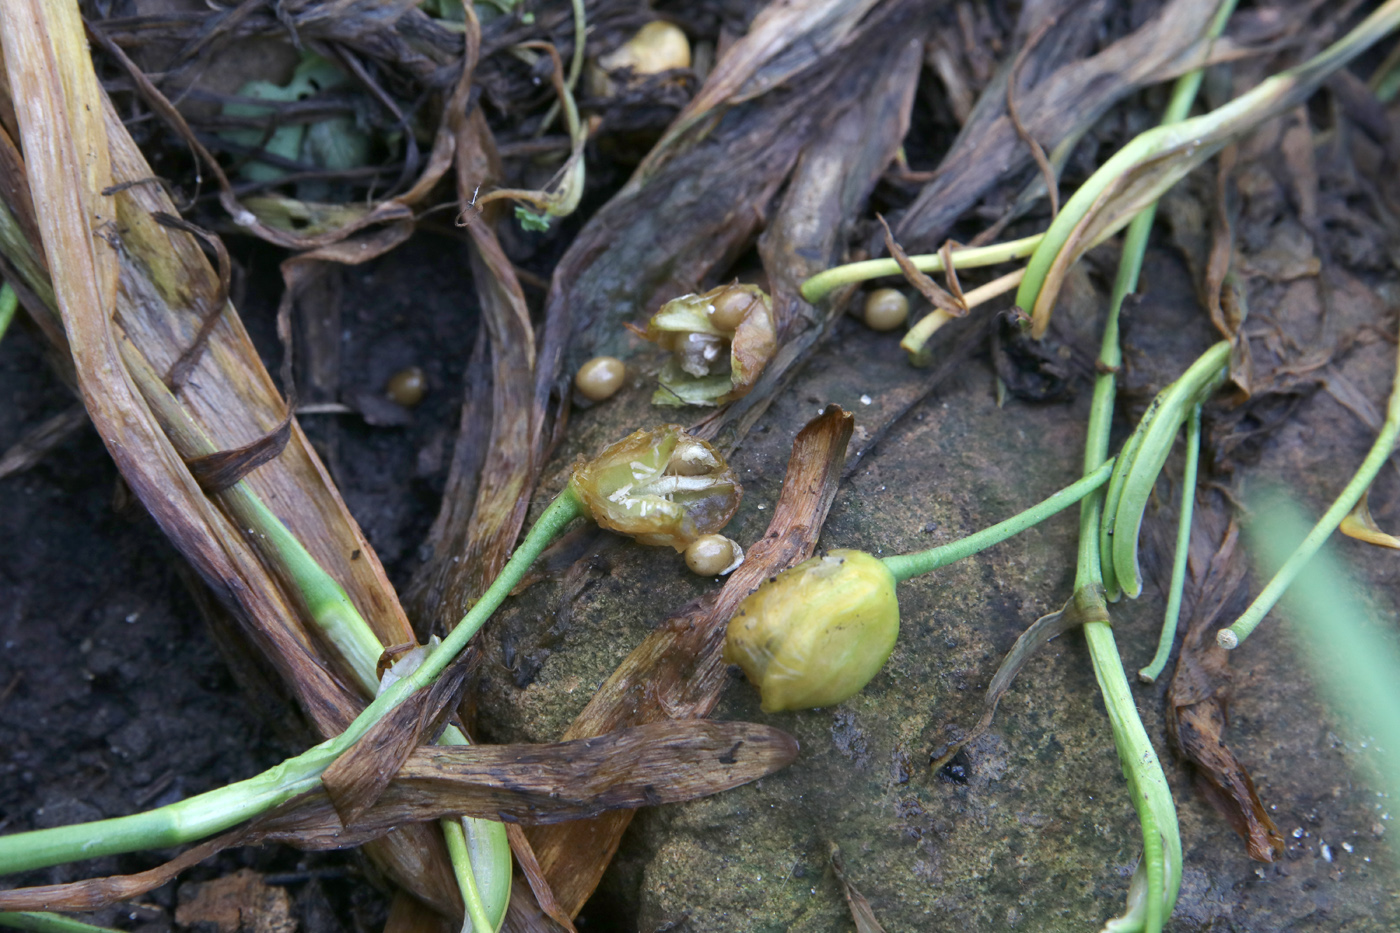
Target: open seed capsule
661, 486
719, 342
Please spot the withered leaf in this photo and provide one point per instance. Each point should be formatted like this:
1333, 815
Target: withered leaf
358, 778
1198, 702
861, 911
931, 290
664, 762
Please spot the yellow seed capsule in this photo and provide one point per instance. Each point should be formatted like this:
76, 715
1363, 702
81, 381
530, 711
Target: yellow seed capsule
709, 555
661, 486
600, 377
658, 46
886, 309
817, 633
407, 386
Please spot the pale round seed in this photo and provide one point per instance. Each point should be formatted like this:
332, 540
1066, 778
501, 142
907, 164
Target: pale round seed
600, 377
731, 307
886, 309
708, 555
407, 386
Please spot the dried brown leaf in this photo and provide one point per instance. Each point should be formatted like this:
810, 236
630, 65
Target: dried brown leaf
1198, 701
861, 911
934, 293
662, 762
1066, 94
358, 778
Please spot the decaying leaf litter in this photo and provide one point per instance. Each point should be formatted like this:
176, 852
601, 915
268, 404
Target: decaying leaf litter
1307, 227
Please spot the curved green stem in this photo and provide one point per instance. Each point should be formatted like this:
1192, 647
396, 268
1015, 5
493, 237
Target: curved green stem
218, 810
904, 566
823, 283
1232, 637
1152, 671
1147, 783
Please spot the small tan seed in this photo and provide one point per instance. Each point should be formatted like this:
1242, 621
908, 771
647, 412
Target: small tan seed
600, 377
731, 307
886, 309
708, 555
407, 386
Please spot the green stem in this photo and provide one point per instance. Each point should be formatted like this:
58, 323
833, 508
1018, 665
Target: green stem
9, 301
38, 922
1147, 783
820, 285
1232, 637
340, 622
904, 566
218, 810
1152, 671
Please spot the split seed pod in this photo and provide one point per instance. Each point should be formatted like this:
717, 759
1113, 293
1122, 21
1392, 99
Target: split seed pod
661, 486
816, 634
719, 342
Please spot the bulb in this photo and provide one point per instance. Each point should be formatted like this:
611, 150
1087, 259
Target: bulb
817, 633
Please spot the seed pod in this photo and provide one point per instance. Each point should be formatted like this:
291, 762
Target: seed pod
719, 342
658, 46
660, 487
817, 633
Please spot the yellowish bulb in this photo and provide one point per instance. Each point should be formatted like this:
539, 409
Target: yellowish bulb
886, 309
817, 633
658, 46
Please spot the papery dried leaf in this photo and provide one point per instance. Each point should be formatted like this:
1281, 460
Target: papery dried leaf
534, 877
488, 494
861, 911
663, 762
358, 778
934, 293
1063, 95
164, 282
782, 41
218, 471
36, 444
1361, 525
678, 672
810, 228
1199, 697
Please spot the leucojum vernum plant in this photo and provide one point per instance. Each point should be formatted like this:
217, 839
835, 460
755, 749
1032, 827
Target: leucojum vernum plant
816, 634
